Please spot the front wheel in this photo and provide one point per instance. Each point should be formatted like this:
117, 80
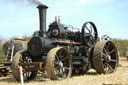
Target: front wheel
59, 63
22, 57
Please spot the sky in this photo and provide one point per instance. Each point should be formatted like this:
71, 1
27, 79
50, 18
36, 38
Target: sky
109, 16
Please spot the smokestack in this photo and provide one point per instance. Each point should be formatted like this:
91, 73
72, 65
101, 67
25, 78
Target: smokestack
42, 18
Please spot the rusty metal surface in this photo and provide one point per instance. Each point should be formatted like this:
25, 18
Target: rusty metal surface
65, 42
34, 66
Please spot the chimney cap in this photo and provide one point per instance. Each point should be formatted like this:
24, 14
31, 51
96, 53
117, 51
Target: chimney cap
42, 6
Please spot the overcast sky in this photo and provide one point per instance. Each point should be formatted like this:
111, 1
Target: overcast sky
110, 16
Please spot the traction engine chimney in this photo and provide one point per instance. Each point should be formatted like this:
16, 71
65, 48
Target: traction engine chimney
42, 18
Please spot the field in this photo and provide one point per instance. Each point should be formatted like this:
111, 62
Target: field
120, 77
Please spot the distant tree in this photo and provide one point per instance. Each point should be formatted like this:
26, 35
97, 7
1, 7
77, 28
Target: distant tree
2, 55
121, 46
36, 33
26, 38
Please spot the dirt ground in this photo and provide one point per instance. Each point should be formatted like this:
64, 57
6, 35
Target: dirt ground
120, 77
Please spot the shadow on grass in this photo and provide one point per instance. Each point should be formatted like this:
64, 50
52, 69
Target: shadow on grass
91, 73
11, 79
88, 73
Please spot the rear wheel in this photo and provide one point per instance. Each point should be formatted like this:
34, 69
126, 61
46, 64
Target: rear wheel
22, 57
59, 63
105, 57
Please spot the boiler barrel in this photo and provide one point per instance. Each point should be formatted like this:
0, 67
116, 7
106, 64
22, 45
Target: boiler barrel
39, 45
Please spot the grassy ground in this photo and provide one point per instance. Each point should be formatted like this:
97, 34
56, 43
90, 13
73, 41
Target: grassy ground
120, 77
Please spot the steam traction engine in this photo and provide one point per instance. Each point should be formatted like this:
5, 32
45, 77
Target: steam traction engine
62, 51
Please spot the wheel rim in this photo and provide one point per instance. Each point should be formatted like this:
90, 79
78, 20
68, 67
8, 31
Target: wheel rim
61, 67
89, 34
105, 37
105, 57
22, 57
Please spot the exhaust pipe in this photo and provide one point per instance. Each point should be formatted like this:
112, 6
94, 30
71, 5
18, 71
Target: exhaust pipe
42, 19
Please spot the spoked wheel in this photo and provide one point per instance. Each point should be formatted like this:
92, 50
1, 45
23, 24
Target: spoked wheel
105, 37
105, 57
59, 63
89, 34
22, 57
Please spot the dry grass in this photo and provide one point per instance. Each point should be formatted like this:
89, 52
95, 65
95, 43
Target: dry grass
120, 77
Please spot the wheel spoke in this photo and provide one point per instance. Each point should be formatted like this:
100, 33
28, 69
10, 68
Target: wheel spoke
57, 58
106, 47
92, 39
27, 74
62, 72
67, 68
59, 73
88, 29
24, 75
105, 51
105, 67
104, 54
110, 67
60, 54
113, 60
65, 58
87, 34
91, 28
111, 51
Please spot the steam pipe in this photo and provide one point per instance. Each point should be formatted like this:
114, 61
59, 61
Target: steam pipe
42, 19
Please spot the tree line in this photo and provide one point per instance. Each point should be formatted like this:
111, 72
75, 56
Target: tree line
122, 46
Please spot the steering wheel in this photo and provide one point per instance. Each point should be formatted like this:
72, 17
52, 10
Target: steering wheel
105, 37
89, 34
